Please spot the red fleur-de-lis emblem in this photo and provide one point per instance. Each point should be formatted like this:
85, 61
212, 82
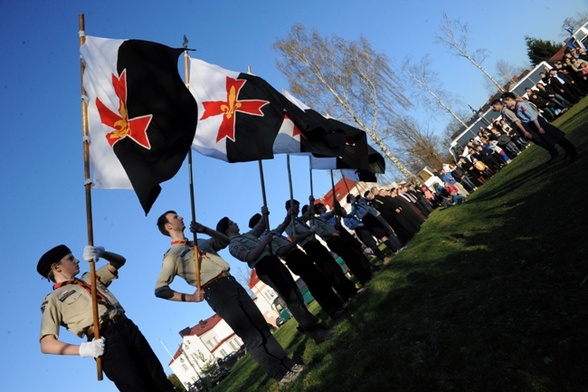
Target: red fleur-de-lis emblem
230, 107
134, 128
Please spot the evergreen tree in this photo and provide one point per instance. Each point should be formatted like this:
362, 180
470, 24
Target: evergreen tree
540, 50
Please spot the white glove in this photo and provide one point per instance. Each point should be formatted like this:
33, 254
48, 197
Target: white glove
93, 252
95, 348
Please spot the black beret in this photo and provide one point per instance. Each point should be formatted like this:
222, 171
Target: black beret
51, 257
366, 193
223, 225
254, 220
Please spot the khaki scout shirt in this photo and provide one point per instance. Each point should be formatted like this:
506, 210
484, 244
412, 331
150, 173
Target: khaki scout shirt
323, 228
298, 226
278, 242
242, 244
509, 117
179, 261
71, 305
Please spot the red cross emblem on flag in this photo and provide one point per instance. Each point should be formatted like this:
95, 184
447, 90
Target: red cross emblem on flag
230, 107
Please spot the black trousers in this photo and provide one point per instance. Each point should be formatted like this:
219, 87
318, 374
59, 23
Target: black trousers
317, 283
332, 270
352, 258
272, 272
230, 301
129, 362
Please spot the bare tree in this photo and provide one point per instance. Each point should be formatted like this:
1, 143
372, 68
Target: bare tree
243, 275
430, 90
421, 145
453, 128
455, 35
570, 25
507, 76
507, 72
348, 80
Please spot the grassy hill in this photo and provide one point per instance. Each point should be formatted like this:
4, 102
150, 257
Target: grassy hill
491, 295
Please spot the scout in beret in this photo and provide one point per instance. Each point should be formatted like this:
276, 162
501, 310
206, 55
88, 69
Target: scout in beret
127, 358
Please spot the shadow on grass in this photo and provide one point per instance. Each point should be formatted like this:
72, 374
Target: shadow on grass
489, 296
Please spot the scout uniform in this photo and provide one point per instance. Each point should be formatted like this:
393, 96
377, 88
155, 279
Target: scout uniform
272, 272
128, 360
227, 298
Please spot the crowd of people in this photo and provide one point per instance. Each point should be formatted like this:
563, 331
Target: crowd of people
523, 119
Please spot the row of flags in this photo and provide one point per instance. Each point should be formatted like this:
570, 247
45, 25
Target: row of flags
143, 119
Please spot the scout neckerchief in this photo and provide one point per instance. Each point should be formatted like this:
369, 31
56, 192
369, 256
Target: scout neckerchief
101, 298
190, 244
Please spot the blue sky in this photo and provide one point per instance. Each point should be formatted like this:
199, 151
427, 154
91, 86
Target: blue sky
41, 164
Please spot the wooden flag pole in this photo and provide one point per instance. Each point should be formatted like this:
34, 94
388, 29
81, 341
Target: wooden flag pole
291, 193
310, 175
88, 191
264, 197
197, 257
333, 183
346, 186
344, 181
311, 204
262, 181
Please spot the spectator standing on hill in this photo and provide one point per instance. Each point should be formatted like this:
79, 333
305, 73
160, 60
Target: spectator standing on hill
461, 176
447, 177
549, 112
538, 130
397, 212
505, 142
564, 86
424, 203
547, 92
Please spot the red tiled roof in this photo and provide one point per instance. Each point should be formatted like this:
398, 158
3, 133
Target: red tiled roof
205, 325
342, 188
559, 54
199, 329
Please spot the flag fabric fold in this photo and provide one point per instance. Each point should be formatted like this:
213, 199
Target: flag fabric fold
242, 118
376, 165
359, 161
141, 116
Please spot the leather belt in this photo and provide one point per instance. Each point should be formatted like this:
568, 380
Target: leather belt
220, 276
115, 319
